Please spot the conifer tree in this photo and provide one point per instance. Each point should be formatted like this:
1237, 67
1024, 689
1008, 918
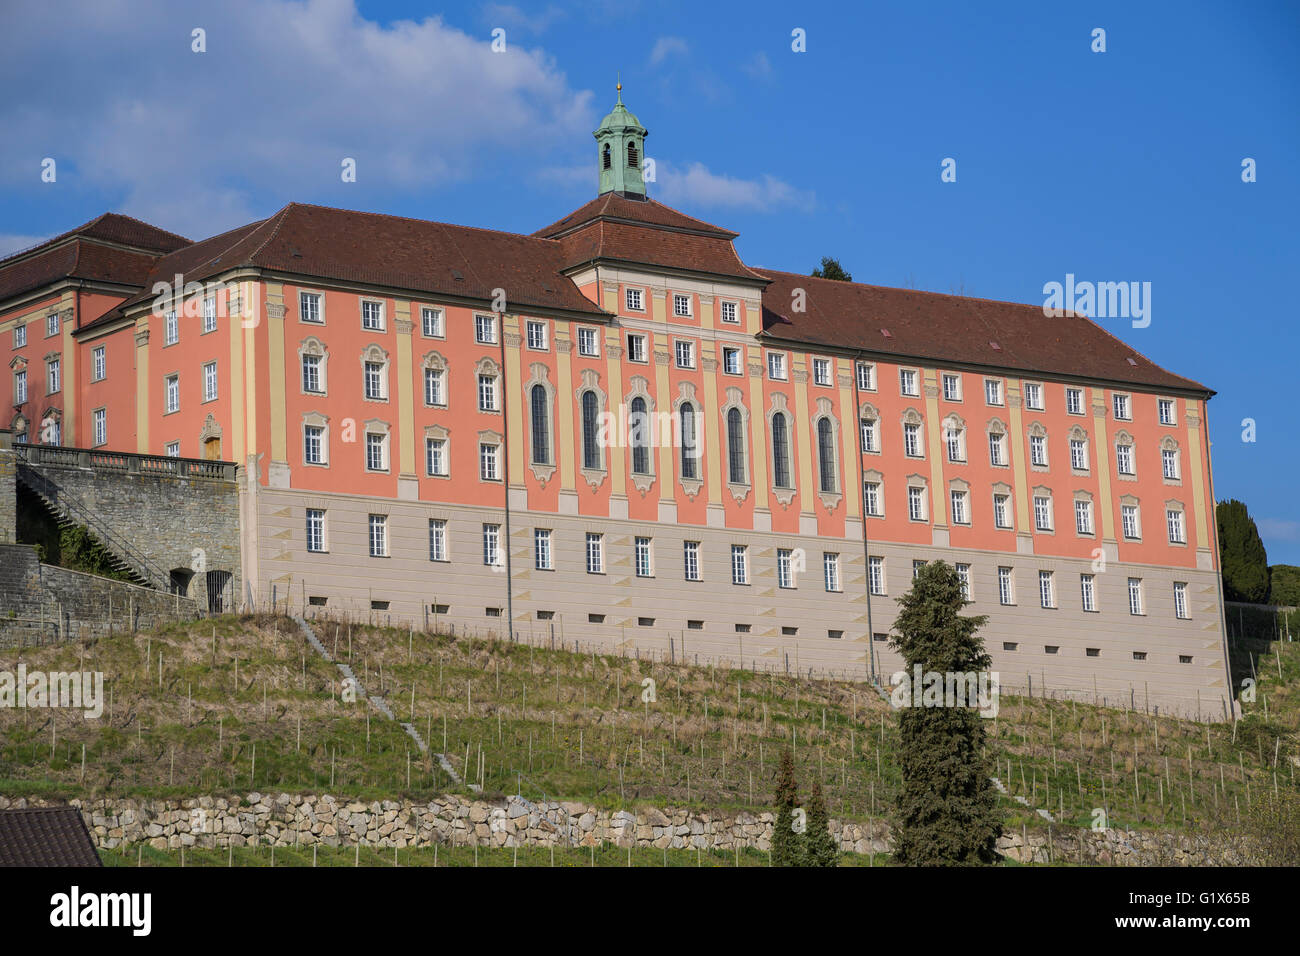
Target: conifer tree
786, 844
819, 847
1245, 563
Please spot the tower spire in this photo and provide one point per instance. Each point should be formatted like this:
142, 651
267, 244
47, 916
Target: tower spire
620, 150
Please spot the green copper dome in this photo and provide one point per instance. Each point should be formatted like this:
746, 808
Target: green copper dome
619, 117
620, 151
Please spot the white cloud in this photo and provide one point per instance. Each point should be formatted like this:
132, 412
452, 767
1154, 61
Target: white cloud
1278, 529
696, 185
511, 17
665, 47
758, 66
201, 142
10, 243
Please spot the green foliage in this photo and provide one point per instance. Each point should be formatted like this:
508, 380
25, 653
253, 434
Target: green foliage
831, 269
947, 808
818, 845
1284, 585
79, 550
1245, 563
786, 850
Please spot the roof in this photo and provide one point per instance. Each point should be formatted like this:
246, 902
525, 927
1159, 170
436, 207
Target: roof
46, 836
953, 328
623, 242
614, 207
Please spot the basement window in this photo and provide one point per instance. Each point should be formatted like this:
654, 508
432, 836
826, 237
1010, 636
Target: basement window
1184, 658
316, 600
645, 622
1094, 652
595, 619
492, 611
1139, 655
379, 605
1051, 648
545, 615
880, 637
742, 628
695, 625
1010, 646
835, 635
439, 608
789, 631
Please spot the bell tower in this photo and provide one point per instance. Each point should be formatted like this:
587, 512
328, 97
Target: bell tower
620, 151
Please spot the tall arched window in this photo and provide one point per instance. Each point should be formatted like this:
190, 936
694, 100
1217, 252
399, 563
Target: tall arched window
689, 453
608, 159
541, 433
631, 155
781, 451
735, 448
639, 426
826, 454
590, 448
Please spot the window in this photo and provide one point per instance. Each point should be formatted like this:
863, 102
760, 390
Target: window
1088, 592
487, 462
1135, 596
635, 302
437, 539
588, 343
536, 336
1124, 458
99, 419
54, 378
540, 419
870, 435
776, 366
209, 314
998, 449
739, 564
1002, 511
916, 503
20, 387
907, 381
912, 440
1177, 534
487, 393
1006, 587
376, 452
639, 425
210, 381
917, 567
1083, 516
993, 391
1123, 412
826, 455
97, 364
378, 536
173, 393
372, 315
681, 306
831, 570
1180, 600
1078, 454
171, 329
1038, 450
485, 329
691, 558
20, 336
311, 377
784, 568
316, 529
590, 431
876, 574
956, 441
376, 386
1046, 597
1129, 521
952, 387
730, 313
595, 553
173, 449
735, 447
1034, 396
780, 451
52, 324
960, 513
636, 348
492, 545
1042, 512
434, 382
1074, 401
309, 307
542, 549
1169, 463
690, 454
1139, 655
866, 377
963, 575
431, 323
871, 498
1166, 411
821, 371
644, 557
731, 361
435, 457
313, 444
685, 352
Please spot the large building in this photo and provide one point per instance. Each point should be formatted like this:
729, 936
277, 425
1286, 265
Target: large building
615, 431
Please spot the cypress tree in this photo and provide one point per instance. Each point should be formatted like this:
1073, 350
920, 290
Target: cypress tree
1242, 554
947, 811
785, 842
818, 845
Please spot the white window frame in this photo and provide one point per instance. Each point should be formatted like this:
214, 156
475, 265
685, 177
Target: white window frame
1136, 605
1002, 509
682, 306
99, 422
372, 315
485, 329
831, 571
305, 311
725, 308
634, 299
952, 394
876, 575
1043, 513
210, 387
739, 564
643, 556
172, 393
435, 457
489, 466
595, 553
993, 392
537, 339
543, 558
377, 535
909, 380
1046, 590
785, 568
1006, 586
915, 503
636, 347
438, 539
684, 353
777, 367
1176, 526
1083, 524
1074, 401
98, 363
1122, 405
315, 530
1180, 601
1034, 396
588, 342
691, 569
1167, 403
492, 545
313, 445
822, 372
1088, 592
376, 449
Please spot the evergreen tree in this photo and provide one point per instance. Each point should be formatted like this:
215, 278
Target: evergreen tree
1244, 561
785, 842
831, 269
819, 847
947, 809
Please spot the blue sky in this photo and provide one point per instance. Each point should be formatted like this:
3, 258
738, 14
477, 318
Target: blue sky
1115, 166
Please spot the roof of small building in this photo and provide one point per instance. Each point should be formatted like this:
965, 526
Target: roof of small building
46, 836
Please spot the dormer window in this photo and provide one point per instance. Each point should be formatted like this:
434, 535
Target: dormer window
632, 161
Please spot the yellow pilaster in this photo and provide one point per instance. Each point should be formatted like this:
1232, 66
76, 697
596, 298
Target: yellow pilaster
252, 290
245, 312
1101, 445
405, 397
275, 370
935, 445
1019, 466
70, 380
142, 406
1196, 472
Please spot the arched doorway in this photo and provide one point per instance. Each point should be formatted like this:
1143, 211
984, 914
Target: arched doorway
219, 596
180, 581
210, 439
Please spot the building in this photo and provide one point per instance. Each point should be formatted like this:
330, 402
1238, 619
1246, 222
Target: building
616, 432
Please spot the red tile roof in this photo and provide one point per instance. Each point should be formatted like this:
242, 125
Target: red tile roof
46, 836
612, 206
621, 242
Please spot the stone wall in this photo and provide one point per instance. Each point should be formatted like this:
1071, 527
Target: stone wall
8, 491
296, 819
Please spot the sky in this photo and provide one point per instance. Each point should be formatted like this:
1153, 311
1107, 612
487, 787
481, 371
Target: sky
1123, 164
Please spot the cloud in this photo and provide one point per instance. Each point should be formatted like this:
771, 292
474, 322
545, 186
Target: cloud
665, 47
10, 243
758, 66
511, 17
696, 185
201, 142
1278, 529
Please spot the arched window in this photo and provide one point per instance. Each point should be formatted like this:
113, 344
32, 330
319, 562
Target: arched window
639, 427
735, 448
541, 434
631, 155
590, 448
689, 453
781, 451
826, 453
607, 157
